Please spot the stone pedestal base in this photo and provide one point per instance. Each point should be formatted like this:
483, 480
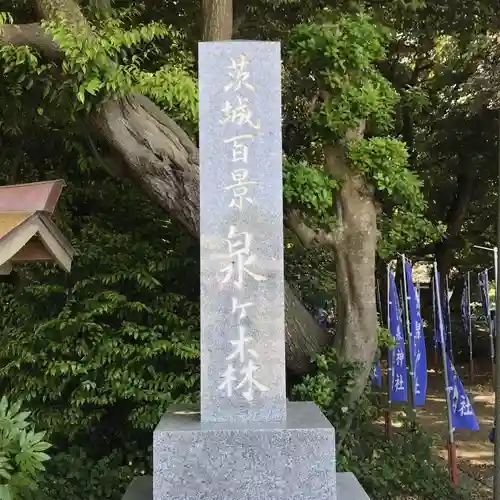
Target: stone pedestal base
293, 460
348, 488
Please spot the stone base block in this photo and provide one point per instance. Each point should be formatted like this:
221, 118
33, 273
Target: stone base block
348, 488
220, 461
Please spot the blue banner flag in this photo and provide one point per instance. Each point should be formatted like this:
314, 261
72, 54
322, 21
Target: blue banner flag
397, 357
439, 325
462, 413
483, 291
440, 330
418, 352
377, 374
464, 308
445, 304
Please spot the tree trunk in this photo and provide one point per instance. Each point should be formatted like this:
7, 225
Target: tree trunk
302, 337
355, 252
217, 20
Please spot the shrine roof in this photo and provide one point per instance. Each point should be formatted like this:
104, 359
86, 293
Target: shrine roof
31, 237
32, 197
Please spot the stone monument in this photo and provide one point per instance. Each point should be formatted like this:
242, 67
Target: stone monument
247, 442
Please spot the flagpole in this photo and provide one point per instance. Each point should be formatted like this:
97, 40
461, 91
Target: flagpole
434, 315
379, 309
496, 477
452, 452
490, 321
409, 337
379, 302
492, 341
495, 257
390, 366
471, 358
449, 336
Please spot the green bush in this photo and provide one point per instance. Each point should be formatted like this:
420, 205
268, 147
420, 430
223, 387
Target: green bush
329, 386
100, 353
403, 467
77, 475
21, 452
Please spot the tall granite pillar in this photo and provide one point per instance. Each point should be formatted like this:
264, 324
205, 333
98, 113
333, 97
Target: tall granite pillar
247, 442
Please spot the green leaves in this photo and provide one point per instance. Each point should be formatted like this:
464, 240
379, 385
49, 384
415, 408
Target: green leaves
340, 55
335, 62
21, 452
119, 337
308, 188
6, 18
383, 161
402, 467
109, 61
330, 386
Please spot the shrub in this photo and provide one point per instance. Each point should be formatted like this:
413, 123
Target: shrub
329, 386
75, 474
101, 353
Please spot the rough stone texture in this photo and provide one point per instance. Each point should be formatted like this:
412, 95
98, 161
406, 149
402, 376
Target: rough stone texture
241, 232
348, 488
196, 460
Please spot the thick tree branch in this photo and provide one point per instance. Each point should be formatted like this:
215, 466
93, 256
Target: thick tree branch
51, 9
456, 216
307, 235
32, 35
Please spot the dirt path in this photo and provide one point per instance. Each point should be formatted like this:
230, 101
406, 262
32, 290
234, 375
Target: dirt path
474, 450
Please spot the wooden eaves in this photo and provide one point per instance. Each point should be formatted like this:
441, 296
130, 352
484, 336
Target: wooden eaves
27, 232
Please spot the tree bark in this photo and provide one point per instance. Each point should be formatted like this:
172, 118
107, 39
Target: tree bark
300, 348
355, 253
217, 20
160, 157
30, 34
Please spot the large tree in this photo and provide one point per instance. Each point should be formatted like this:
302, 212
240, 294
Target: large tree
344, 172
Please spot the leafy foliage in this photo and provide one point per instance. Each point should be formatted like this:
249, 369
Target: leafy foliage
99, 354
329, 388
22, 452
385, 161
77, 474
107, 62
340, 54
109, 347
352, 105
306, 186
403, 467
